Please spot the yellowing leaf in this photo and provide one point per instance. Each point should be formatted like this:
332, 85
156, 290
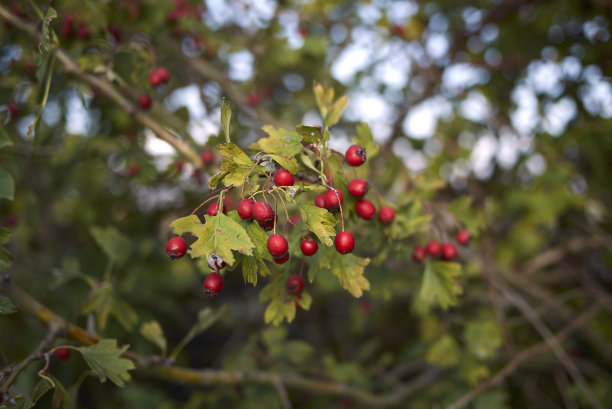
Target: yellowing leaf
289, 164
335, 111
153, 332
220, 235
104, 359
226, 114
444, 352
236, 165
440, 284
280, 141
349, 269
483, 338
319, 221
282, 305
330, 111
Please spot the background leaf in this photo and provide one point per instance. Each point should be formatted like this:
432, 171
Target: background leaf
104, 358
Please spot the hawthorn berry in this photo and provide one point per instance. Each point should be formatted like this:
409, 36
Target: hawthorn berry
83, 32
345, 242
433, 248
365, 209
277, 245
358, 188
133, 169
283, 178
386, 215
449, 251
159, 75
295, 284
418, 254
333, 200
213, 209
145, 101
282, 259
208, 157
463, 237
320, 201
267, 225
309, 247
355, 155
213, 283
176, 248
61, 354
262, 212
13, 109
245, 209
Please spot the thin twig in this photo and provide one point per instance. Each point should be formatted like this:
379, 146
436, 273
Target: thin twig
282, 393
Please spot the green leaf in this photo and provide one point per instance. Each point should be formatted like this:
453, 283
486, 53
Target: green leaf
226, 115
220, 235
330, 111
5, 256
335, 111
104, 359
409, 219
40, 390
114, 244
349, 269
280, 141
309, 134
236, 165
153, 332
471, 218
444, 352
6, 306
365, 139
440, 284
492, 399
46, 41
206, 318
483, 338
282, 305
7, 185
5, 140
319, 221
289, 164
104, 302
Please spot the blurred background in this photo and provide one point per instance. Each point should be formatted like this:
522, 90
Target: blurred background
492, 115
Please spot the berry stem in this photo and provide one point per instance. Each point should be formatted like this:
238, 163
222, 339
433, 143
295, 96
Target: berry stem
287, 215
209, 197
246, 178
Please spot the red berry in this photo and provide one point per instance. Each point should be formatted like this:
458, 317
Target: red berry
333, 199
433, 248
245, 209
309, 247
10, 220
282, 259
213, 283
277, 245
358, 188
83, 31
355, 155
213, 209
163, 74
133, 169
267, 225
145, 101
295, 284
176, 247
154, 78
386, 215
398, 30
345, 243
13, 110
253, 99
61, 354
365, 209
180, 165
115, 31
262, 212
208, 157
463, 237
418, 254
320, 201
449, 251
283, 178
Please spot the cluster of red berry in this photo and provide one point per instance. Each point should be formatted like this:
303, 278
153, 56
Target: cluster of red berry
158, 76
435, 249
266, 217
71, 26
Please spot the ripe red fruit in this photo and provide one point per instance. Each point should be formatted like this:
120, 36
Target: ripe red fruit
333, 199
295, 284
133, 169
208, 157
449, 251
13, 110
358, 188
145, 101
61, 354
282, 259
309, 247
116, 32
262, 212
267, 225
433, 248
463, 237
418, 254
253, 99
213, 283
277, 245
176, 248
355, 155
213, 209
386, 215
154, 78
245, 209
283, 178
345, 243
83, 32
320, 201
365, 209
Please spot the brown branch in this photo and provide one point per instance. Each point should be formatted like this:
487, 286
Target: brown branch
71, 67
525, 355
207, 377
